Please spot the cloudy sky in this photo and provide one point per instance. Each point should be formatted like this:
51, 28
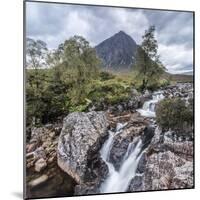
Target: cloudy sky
54, 23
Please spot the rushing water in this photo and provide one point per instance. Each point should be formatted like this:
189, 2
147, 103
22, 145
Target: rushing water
148, 109
118, 181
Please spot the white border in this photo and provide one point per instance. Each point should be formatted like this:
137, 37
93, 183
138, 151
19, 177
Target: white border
11, 100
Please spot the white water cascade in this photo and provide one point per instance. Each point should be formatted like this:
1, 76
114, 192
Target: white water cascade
148, 109
118, 181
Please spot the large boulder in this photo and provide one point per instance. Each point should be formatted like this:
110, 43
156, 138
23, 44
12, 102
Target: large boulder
80, 140
166, 170
168, 165
167, 162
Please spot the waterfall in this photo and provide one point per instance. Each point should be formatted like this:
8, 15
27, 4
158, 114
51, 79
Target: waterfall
118, 181
148, 109
105, 151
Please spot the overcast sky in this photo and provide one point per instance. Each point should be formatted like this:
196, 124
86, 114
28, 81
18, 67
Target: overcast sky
54, 23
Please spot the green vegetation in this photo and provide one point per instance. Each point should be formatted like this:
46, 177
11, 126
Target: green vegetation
109, 91
52, 92
148, 66
179, 78
174, 114
70, 79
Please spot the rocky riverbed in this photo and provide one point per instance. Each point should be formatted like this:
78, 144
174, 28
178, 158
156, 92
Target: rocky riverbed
65, 159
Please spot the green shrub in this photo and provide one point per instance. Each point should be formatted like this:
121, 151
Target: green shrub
111, 91
174, 114
104, 76
164, 82
81, 107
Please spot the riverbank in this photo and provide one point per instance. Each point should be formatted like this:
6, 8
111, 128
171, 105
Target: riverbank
118, 145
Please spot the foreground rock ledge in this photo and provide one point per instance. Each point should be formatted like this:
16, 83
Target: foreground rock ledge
80, 140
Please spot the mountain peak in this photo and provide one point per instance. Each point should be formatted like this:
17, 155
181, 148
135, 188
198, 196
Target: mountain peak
118, 51
121, 32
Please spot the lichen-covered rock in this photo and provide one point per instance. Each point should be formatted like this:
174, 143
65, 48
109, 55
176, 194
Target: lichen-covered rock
165, 170
169, 163
79, 143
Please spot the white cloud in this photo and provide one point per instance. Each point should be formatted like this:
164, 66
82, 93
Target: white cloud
132, 22
54, 23
176, 58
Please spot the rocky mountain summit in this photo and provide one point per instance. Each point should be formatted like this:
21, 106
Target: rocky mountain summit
117, 52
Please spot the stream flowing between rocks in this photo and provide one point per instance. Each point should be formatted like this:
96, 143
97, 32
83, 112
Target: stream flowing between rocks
148, 109
106, 152
119, 180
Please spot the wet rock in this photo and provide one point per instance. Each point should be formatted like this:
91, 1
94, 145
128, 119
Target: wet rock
142, 164
147, 136
118, 151
121, 143
81, 138
137, 183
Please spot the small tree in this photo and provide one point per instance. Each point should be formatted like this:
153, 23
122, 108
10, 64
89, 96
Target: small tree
79, 65
55, 57
147, 63
36, 52
61, 85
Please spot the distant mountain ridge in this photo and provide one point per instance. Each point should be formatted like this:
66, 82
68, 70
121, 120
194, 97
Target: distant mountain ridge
117, 52
188, 73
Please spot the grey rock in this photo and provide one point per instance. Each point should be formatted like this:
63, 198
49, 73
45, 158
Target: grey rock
142, 164
39, 153
86, 189
79, 142
147, 136
166, 170
40, 165
136, 183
